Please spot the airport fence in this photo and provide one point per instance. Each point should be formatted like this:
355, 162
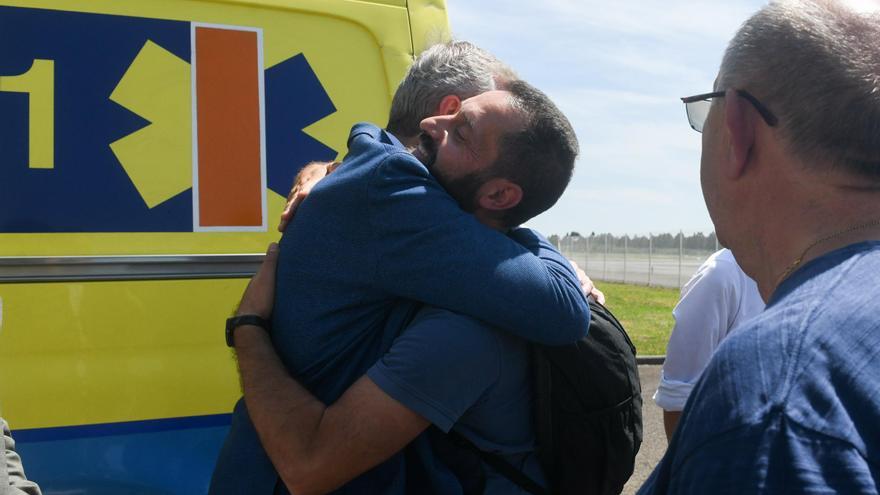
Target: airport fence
664, 260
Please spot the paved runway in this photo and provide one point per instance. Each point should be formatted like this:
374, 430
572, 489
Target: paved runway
654, 442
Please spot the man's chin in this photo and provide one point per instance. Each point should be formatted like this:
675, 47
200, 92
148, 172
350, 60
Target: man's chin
423, 157
424, 151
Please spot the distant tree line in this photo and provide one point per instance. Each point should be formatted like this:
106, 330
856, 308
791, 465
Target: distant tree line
575, 240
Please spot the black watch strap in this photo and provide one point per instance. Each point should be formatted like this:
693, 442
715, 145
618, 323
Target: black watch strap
237, 321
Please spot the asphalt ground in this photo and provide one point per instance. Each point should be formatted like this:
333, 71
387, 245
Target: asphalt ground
654, 437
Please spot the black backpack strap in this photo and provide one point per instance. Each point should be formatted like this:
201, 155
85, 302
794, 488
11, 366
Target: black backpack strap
465, 464
498, 464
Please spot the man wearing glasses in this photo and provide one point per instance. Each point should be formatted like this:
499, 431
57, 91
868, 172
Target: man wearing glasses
791, 177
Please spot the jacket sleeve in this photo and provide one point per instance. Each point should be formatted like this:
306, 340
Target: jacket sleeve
17, 483
429, 250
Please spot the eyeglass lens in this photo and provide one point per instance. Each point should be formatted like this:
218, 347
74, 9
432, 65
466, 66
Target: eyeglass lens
697, 111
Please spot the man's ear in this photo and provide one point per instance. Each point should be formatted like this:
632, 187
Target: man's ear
739, 120
499, 194
448, 105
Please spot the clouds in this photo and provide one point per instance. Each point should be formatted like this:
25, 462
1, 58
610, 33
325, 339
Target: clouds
676, 20
621, 132
657, 36
617, 70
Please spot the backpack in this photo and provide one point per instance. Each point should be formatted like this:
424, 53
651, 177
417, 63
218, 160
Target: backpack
587, 414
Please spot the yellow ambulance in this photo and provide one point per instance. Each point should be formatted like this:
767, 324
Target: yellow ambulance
146, 149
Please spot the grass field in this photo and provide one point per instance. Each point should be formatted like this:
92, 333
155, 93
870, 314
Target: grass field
645, 312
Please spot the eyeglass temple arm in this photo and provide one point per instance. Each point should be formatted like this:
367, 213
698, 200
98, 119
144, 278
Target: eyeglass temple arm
766, 114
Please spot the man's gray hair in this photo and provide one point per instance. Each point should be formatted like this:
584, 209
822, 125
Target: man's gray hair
816, 65
454, 68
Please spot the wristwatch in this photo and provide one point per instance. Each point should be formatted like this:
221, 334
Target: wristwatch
237, 321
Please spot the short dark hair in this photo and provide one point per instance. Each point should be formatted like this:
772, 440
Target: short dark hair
539, 157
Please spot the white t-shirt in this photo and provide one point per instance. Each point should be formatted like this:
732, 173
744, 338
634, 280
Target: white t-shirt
714, 302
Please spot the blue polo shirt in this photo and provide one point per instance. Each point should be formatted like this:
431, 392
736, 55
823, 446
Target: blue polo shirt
790, 403
461, 374
376, 233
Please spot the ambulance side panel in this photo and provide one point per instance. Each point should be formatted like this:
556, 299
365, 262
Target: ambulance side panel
146, 149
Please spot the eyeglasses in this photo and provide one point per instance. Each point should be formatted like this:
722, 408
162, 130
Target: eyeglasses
697, 108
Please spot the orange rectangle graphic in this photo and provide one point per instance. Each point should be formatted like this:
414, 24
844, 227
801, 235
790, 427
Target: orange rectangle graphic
227, 83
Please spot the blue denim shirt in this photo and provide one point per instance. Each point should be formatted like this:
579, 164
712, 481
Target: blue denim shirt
790, 403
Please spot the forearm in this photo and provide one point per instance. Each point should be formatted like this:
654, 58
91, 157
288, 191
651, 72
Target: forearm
530, 291
670, 423
317, 448
287, 417
568, 302
482, 273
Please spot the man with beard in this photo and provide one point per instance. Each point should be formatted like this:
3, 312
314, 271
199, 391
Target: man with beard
380, 231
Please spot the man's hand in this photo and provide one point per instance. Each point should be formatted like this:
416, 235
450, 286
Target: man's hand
259, 296
587, 286
305, 180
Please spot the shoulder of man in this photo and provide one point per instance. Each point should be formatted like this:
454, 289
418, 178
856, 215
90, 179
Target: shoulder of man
387, 157
441, 365
774, 455
365, 136
364, 132
781, 443
456, 330
719, 270
828, 314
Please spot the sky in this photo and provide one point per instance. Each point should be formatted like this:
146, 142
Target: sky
617, 70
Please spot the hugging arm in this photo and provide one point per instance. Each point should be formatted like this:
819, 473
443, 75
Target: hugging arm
429, 250
314, 447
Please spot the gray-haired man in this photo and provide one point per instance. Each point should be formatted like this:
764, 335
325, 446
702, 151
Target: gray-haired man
12, 478
791, 176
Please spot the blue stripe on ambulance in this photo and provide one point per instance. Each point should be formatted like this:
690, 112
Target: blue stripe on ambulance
165, 456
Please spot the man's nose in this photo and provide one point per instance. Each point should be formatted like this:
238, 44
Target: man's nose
433, 126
